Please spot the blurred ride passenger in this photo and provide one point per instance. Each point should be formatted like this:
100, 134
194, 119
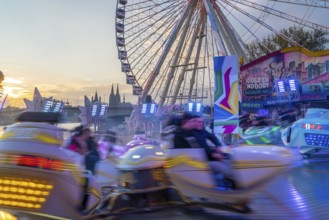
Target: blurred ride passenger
192, 134
83, 143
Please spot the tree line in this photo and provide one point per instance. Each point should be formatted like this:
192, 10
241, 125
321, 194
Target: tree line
313, 40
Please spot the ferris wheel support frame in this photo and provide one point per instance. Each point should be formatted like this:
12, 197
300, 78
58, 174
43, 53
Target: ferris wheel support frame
185, 65
229, 44
216, 27
233, 40
176, 57
197, 58
164, 54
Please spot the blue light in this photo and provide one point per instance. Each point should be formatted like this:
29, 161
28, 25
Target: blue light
198, 107
103, 109
47, 106
195, 107
57, 107
144, 107
292, 84
190, 106
149, 109
152, 110
281, 86
94, 110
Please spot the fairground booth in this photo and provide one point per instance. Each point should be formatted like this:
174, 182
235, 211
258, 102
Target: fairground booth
279, 87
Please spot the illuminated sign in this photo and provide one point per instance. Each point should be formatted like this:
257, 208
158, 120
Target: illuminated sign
103, 110
194, 107
94, 110
149, 109
47, 106
57, 107
287, 85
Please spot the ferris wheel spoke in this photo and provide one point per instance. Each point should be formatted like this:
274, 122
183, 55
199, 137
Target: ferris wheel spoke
232, 37
281, 14
176, 56
154, 55
156, 90
136, 6
170, 17
312, 3
263, 23
137, 47
147, 9
164, 12
182, 73
197, 57
246, 28
165, 52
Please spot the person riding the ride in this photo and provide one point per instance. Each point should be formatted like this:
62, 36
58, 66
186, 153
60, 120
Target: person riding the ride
192, 134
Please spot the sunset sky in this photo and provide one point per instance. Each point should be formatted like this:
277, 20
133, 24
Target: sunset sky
66, 48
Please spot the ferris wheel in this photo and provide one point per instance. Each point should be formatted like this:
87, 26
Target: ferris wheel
166, 47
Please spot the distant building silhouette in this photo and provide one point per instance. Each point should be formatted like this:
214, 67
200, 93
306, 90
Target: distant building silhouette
117, 114
118, 110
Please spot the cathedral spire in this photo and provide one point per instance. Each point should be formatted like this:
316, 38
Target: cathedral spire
96, 97
117, 96
112, 100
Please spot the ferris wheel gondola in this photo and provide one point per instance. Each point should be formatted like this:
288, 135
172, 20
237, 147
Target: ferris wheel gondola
166, 47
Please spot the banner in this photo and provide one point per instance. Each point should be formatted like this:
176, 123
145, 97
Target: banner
226, 103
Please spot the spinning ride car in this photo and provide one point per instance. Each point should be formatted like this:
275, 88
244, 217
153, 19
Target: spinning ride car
262, 135
40, 180
187, 178
310, 134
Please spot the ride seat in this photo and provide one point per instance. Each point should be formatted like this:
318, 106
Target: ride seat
189, 165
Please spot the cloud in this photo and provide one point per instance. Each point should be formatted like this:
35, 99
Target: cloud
9, 80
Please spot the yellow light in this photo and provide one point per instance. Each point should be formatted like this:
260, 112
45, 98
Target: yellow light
33, 199
40, 186
41, 200
24, 183
7, 216
32, 184
37, 192
21, 190
49, 186
29, 191
13, 189
13, 182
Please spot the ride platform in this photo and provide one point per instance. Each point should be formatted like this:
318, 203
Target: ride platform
300, 194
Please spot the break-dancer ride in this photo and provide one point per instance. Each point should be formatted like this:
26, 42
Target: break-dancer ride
41, 180
309, 134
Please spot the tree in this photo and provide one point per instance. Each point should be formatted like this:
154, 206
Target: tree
314, 40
